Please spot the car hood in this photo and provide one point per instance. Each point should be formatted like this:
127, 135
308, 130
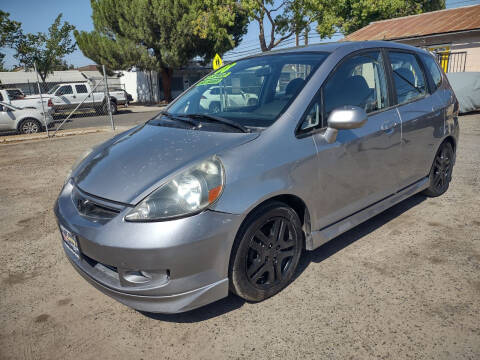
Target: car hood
128, 167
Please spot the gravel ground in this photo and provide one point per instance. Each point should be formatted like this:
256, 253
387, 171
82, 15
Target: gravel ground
403, 285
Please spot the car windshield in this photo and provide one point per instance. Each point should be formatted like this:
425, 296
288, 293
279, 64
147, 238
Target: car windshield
252, 92
52, 90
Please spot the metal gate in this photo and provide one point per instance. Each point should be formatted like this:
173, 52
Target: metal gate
452, 61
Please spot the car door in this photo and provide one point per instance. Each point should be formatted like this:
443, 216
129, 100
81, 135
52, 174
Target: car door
7, 118
358, 169
64, 97
82, 96
421, 114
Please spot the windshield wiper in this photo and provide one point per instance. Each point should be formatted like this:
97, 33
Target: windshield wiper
180, 118
219, 120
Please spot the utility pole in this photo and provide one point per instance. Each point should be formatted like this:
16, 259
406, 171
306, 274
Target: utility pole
107, 96
41, 99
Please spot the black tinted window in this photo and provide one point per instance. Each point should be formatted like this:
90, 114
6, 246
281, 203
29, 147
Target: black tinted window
408, 77
65, 90
433, 69
81, 89
359, 81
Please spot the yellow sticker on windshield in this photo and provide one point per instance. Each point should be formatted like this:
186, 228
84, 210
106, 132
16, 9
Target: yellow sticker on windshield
217, 76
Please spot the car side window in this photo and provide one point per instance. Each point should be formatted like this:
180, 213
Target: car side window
65, 90
313, 119
359, 81
81, 89
408, 77
433, 69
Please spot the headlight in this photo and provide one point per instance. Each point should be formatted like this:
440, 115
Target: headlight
188, 193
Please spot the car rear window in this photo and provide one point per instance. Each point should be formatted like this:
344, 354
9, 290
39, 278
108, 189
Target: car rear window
81, 89
433, 69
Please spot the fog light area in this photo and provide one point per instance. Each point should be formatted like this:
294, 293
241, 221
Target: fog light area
143, 277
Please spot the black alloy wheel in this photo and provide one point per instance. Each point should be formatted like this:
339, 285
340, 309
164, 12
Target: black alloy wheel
266, 252
441, 171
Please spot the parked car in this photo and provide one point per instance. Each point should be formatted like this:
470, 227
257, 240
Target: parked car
23, 120
15, 94
213, 98
14, 98
68, 96
175, 213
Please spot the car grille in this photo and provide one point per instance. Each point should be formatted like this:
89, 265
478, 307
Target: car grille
93, 208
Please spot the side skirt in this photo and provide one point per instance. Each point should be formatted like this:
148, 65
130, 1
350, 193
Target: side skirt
326, 234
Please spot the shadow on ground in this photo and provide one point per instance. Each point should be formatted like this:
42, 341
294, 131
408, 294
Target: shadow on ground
233, 302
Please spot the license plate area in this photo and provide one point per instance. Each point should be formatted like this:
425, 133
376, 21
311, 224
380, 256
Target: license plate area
70, 240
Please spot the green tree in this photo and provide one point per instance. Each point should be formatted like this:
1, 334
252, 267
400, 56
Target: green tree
352, 15
10, 32
63, 65
278, 21
46, 50
161, 35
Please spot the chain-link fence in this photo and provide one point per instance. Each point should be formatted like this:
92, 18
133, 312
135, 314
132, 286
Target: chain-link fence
34, 106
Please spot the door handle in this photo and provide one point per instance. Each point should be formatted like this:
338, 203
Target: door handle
389, 126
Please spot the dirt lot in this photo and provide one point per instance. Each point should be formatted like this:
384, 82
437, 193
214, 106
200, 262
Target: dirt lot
404, 285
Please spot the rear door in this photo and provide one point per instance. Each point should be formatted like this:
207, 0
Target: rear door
422, 117
359, 168
7, 118
82, 95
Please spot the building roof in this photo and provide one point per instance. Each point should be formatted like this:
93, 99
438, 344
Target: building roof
24, 77
435, 22
88, 68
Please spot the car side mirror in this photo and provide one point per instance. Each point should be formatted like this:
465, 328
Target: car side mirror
344, 118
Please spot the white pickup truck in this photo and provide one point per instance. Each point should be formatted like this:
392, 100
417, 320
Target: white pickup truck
11, 96
69, 95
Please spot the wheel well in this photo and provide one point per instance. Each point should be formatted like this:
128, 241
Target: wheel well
297, 204
28, 118
113, 99
451, 140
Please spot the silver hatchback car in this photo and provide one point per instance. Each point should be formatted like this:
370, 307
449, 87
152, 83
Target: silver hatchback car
202, 201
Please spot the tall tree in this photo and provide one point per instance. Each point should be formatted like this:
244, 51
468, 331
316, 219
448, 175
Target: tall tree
280, 20
46, 50
10, 32
161, 35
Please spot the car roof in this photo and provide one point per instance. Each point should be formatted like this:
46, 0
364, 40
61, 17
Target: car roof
330, 47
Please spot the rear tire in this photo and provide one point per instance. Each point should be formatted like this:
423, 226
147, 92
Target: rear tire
30, 126
104, 109
113, 107
441, 171
266, 252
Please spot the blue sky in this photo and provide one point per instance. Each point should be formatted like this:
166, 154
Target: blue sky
36, 15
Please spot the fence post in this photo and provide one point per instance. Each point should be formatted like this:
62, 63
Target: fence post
107, 97
41, 99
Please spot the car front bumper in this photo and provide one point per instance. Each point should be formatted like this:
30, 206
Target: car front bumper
186, 259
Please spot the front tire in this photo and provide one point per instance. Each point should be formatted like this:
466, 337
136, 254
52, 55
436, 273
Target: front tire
266, 252
441, 171
29, 126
